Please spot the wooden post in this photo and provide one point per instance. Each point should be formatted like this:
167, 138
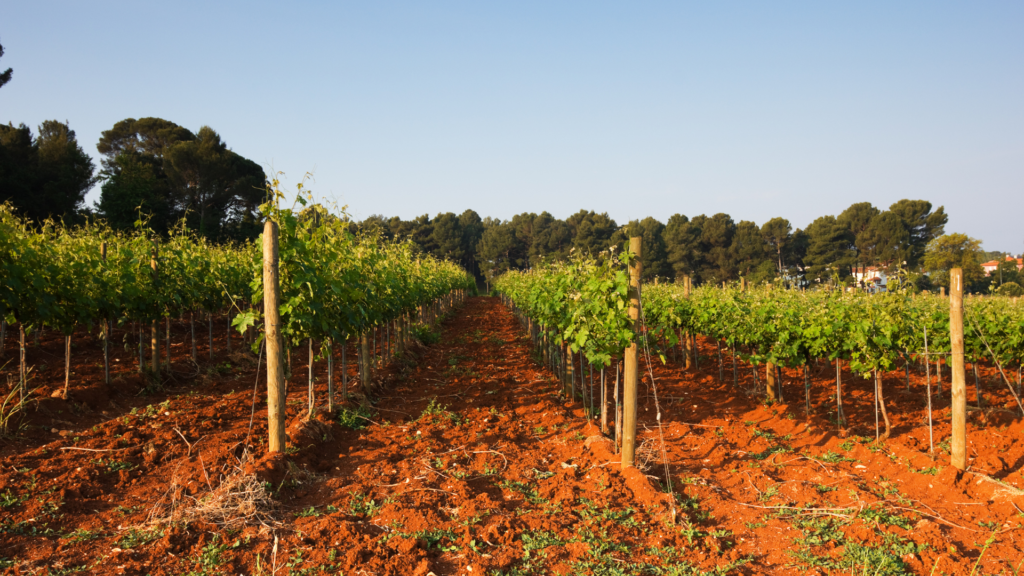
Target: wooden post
365, 362
142, 347
311, 393
564, 367
735, 373
959, 381
769, 378
67, 365
276, 400
192, 326
928, 381
106, 329
687, 350
632, 365
400, 335
344, 371
22, 371
604, 404
721, 364
618, 409
209, 326
807, 388
154, 335
167, 341
570, 366
840, 414
330, 376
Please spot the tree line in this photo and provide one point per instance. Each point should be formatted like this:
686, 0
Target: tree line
907, 238
153, 172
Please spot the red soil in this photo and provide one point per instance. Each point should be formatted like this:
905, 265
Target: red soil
472, 464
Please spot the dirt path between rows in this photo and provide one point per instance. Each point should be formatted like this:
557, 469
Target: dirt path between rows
471, 463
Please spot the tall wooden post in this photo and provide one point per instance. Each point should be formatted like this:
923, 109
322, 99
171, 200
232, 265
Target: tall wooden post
154, 333
67, 364
330, 376
106, 329
276, 401
22, 370
687, 349
311, 392
344, 371
566, 370
959, 381
618, 409
604, 403
192, 327
365, 361
167, 342
630, 383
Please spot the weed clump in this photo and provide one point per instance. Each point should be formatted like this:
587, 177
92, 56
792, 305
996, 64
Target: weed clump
355, 419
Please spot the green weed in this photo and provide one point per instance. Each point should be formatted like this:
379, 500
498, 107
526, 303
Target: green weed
139, 537
834, 458
362, 505
9, 499
83, 535
355, 419
426, 334
535, 541
115, 465
522, 488
210, 560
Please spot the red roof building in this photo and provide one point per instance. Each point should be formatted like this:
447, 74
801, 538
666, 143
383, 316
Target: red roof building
991, 266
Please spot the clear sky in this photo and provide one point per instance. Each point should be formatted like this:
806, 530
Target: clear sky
756, 109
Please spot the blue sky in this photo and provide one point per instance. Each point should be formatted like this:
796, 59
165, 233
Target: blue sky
756, 109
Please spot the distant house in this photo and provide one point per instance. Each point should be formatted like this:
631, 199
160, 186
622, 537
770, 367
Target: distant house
992, 265
871, 278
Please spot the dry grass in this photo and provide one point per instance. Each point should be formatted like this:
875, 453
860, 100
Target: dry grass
647, 455
12, 407
240, 499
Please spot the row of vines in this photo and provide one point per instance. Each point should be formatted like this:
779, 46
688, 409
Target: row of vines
580, 307
335, 286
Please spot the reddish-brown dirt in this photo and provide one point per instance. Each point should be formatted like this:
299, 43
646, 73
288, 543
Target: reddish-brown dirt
471, 463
